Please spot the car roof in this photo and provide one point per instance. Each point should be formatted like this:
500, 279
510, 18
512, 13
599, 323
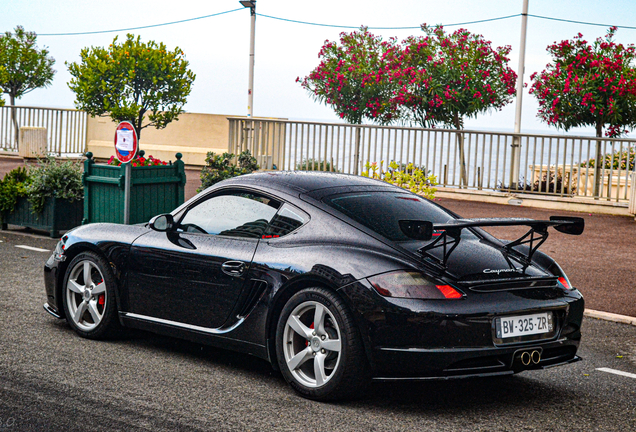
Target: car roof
303, 181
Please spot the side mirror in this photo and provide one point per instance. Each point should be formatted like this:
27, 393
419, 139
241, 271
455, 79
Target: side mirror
162, 223
575, 227
417, 230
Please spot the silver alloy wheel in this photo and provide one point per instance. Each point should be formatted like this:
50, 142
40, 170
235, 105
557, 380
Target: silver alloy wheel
312, 344
86, 295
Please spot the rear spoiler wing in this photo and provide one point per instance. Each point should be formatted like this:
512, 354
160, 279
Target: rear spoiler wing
449, 234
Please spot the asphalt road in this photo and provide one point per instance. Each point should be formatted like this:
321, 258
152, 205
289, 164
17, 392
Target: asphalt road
52, 380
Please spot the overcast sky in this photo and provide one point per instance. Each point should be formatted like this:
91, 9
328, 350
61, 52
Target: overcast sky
218, 47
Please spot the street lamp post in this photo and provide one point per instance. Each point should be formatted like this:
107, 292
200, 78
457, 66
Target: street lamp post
250, 91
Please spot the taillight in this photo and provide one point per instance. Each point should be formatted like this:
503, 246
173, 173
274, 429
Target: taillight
405, 284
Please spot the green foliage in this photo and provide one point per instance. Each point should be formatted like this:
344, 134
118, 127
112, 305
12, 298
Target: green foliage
619, 160
130, 80
23, 67
52, 178
220, 167
417, 180
13, 186
312, 164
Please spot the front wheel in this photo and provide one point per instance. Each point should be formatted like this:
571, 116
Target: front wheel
89, 297
318, 347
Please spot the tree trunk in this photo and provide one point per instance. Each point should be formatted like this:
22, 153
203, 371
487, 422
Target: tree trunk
14, 120
356, 155
463, 181
598, 164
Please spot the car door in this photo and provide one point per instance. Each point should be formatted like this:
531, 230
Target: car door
194, 274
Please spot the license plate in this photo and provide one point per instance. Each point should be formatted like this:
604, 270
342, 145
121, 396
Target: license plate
524, 325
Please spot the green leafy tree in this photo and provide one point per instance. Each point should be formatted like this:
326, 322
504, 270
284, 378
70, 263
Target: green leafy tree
23, 67
132, 81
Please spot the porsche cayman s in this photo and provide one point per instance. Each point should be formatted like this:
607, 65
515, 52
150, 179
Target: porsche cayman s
334, 279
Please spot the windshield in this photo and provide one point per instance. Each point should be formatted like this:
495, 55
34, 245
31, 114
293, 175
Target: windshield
382, 211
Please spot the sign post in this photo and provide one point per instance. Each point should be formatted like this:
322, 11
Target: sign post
126, 146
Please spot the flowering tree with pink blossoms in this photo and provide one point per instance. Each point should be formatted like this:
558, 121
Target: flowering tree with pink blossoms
445, 77
353, 77
588, 85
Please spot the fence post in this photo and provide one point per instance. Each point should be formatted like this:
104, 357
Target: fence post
88, 165
181, 174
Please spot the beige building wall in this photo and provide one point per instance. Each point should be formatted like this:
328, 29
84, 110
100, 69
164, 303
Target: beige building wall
193, 135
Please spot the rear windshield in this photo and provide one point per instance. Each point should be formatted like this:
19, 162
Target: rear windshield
381, 211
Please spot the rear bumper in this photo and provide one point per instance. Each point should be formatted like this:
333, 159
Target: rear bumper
420, 339
418, 363
482, 374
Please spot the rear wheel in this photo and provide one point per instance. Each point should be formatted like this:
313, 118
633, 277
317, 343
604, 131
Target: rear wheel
89, 297
319, 349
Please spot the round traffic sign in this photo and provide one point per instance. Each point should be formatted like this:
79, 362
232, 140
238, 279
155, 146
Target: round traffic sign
125, 142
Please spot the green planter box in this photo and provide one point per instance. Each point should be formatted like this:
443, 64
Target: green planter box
154, 190
58, 215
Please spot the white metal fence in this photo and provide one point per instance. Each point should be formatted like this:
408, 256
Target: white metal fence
66, 128
548, 164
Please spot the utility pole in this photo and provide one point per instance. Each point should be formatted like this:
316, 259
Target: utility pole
250, 91
516, 141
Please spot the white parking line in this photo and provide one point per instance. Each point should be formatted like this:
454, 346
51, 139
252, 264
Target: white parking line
32, 248
617, 372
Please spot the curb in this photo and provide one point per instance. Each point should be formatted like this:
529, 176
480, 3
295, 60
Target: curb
607, 316
42, 235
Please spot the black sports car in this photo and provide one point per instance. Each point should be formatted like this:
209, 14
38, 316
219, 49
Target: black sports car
334, 279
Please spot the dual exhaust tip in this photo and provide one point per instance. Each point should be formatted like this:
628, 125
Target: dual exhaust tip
530, 357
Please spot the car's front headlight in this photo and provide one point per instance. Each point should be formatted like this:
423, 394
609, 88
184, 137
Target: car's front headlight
414, 285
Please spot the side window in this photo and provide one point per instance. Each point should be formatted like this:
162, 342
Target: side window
286, 220
237, 215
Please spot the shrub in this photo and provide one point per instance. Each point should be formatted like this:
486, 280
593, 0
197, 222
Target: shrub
52, 178
12, 186
417, 180
220, 167
311, 164
623, 160
547, 184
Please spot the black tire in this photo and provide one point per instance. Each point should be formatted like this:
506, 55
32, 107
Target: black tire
320, 371
88, 296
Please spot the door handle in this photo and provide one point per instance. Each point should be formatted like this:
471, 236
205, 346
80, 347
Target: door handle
233, 268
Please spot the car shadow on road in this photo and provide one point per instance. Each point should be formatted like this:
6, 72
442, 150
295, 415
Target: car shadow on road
429, 396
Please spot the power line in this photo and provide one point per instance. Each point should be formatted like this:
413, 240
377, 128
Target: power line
383, 28
581, 22
330, 25
138, 28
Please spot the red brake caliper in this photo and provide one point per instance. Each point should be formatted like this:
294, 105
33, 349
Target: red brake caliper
101, 299
311, 327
